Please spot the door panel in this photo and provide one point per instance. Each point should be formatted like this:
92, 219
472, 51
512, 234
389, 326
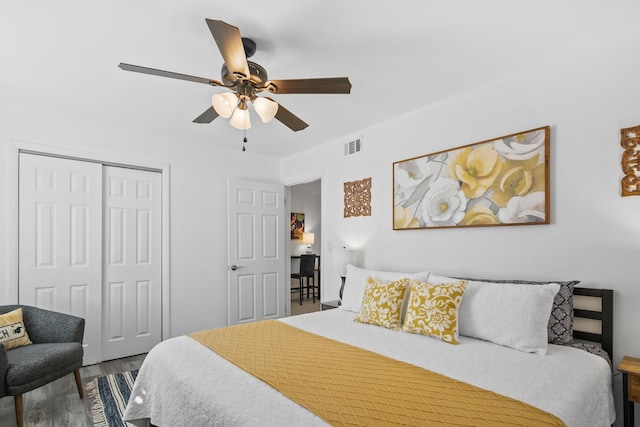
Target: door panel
256, 247
132, 270
270, 295
60, 223
246, 303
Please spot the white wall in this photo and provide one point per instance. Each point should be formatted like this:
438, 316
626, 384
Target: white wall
594, 235
198, 189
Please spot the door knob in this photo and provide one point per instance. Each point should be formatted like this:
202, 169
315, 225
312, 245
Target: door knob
234, 267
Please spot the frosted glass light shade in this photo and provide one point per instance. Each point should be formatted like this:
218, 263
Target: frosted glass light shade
224, 104
240, 119
265, 108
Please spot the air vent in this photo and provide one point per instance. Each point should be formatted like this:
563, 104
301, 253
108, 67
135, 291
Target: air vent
353, 147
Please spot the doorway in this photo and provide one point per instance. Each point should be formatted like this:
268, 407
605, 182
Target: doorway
305, 198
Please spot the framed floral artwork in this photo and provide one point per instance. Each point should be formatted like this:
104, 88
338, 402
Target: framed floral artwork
502, 181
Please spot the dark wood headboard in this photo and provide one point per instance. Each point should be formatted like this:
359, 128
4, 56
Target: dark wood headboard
604, 315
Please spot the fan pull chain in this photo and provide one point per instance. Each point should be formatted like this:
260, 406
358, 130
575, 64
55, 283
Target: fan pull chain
244, 141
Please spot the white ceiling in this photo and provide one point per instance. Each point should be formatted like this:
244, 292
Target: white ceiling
399, 55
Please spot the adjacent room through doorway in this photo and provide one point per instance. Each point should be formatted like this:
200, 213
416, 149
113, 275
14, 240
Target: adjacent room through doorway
305, 239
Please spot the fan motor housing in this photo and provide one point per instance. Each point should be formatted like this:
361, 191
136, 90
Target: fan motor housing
257, 75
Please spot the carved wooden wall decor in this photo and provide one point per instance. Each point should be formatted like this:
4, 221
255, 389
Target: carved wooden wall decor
630, 141
357, 198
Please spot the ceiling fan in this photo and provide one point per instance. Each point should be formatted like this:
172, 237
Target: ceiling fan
245, 80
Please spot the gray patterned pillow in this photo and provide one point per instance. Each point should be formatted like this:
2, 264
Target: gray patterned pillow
560, 328
593, 349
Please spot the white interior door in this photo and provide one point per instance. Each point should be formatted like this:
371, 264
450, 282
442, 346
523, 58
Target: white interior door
60, 231
256, 279
132, 291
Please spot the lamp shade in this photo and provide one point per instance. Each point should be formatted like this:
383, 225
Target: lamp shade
224, 104
240, 119
308, 238
265, 108
342, 258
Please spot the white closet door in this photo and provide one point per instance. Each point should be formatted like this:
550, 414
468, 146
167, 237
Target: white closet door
60, 232
132, 262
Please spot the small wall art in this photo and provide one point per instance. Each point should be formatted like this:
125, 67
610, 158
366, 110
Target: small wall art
502, 181
297, 226
630, 141
357, 198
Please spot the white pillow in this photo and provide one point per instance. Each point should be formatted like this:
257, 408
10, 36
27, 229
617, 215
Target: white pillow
357, 279
509, 314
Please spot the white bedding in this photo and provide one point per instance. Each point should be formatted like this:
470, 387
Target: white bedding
183, 383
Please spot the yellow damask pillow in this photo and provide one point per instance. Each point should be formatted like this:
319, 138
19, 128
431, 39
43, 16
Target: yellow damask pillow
382, 302
433, 310
12, 331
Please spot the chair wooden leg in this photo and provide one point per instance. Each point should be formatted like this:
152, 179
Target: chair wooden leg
17, 401
79, 383
300, 290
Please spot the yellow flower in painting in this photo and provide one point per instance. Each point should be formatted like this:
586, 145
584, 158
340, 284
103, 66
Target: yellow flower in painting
403, 218
477, 169
518, 178
479, 215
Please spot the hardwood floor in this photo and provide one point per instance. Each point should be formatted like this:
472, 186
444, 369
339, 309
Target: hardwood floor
58, 404
307, 303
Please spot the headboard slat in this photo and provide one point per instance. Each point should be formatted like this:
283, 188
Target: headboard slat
587, 336
605, 316
587, 314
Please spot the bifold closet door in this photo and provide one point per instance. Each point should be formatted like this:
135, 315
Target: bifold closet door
132, 262
60, 241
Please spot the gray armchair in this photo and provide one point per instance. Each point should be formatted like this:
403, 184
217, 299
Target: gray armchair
56, 351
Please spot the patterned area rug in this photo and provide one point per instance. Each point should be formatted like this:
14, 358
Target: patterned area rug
109, 396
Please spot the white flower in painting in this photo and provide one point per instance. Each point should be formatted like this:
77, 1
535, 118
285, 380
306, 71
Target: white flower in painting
444, 203
521, 147
408, 175
529, 208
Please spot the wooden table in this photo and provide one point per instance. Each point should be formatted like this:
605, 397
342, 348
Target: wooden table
630, 368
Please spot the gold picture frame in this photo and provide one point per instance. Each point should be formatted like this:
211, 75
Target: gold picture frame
501, 181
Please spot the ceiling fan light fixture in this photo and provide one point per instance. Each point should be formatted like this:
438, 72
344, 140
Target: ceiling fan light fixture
265, 108
224, 103
245, 79
240, 118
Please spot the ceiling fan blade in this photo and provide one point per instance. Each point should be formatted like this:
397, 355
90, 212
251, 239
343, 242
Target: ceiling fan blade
289, 119
321, 85
207, 117
162, 73
229, 43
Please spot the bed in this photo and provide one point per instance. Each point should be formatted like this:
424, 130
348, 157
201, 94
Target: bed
182, 382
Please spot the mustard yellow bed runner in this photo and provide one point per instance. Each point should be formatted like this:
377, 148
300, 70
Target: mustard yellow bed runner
349, 386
